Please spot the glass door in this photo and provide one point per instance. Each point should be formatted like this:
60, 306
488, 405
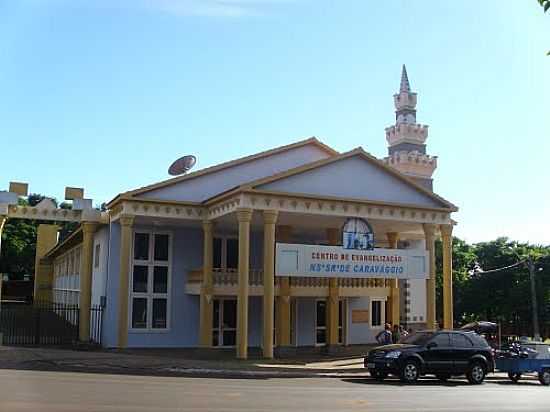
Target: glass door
224, 322
320, 322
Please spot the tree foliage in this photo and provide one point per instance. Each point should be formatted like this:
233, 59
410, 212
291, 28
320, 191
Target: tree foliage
503, 297
19, 240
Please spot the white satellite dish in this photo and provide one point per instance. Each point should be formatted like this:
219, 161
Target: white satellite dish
182, 165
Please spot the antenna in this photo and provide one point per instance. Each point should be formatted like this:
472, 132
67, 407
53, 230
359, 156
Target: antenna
182, 165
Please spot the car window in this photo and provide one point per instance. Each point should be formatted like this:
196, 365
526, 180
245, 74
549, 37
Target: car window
479, 341
441, 339
418, 338
460, 341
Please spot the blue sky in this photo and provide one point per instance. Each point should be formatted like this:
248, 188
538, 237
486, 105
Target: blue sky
105, 95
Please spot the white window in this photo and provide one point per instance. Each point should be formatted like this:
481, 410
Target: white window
377, 312
150, 281
226, 253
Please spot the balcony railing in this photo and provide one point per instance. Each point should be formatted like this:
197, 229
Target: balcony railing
230, 277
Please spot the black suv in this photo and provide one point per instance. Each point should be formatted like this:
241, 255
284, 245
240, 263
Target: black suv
441, 353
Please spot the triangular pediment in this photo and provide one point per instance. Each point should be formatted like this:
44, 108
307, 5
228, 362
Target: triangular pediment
355, 175
206, 183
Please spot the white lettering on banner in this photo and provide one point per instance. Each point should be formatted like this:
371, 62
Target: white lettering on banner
335, 261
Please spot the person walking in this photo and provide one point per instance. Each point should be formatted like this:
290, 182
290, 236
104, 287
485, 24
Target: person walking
385, 336
396, 334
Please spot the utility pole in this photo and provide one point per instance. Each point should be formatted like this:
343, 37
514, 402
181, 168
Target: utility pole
531, 266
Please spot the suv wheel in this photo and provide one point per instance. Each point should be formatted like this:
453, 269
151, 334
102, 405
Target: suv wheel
544, 377
409, 372
378, 375
476, 373
514, 377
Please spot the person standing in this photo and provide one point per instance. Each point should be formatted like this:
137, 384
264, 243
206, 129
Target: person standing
385, 336
396, 334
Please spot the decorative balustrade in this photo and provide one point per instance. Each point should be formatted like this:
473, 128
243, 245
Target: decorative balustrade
230, 277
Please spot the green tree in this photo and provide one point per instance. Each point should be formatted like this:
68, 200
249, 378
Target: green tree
545, 4
503, 296
19, 240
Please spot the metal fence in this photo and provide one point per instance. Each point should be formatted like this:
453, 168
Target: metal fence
45, 323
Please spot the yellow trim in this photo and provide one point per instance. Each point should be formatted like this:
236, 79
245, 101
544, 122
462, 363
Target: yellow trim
244, 216
46, 237
447, 240
73, 240
86, 269
431, 320
395, 311
270, 219
22, 189
221, 166
283, 233
126, 239
333, 236
206, 297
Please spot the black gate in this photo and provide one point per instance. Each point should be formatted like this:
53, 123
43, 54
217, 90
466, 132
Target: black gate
45, 323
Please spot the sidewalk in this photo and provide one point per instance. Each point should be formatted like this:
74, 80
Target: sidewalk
182, 362
173, 362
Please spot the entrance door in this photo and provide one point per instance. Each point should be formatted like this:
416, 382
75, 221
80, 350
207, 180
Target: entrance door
224, 322
320, 322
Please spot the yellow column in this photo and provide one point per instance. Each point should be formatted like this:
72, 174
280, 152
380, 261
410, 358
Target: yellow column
447, 240
86, 266
333, 237
395, 317
243, 216
206, 308
46, 239
126, 223
429, 234
284, 234
270, 218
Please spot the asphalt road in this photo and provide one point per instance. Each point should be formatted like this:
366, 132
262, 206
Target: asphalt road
63, 391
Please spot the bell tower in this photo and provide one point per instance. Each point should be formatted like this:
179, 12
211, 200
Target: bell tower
407, 139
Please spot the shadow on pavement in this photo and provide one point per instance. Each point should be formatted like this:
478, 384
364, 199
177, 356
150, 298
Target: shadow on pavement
397, 382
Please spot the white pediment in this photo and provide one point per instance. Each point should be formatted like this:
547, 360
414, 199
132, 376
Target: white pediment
353, 177
206, 185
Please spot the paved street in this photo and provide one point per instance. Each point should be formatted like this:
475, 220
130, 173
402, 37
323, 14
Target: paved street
63, 391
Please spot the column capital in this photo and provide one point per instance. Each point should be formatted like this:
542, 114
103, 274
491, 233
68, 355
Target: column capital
446, 230
244, 215
89, 227
392, 237
270, 216
429, 229
126, 220
208, 225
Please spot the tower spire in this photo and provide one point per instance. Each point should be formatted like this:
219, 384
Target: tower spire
405, 85
407, 139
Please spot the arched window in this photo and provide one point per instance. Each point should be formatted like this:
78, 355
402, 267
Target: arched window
357, 234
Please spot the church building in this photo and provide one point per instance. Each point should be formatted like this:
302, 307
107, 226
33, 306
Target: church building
300, 246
